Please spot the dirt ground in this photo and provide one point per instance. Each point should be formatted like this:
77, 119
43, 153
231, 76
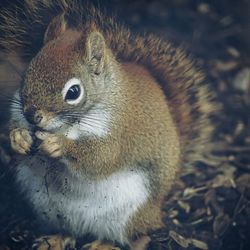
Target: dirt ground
209, 206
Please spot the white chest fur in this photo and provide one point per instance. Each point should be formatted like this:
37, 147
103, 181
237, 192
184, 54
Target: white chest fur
102, 207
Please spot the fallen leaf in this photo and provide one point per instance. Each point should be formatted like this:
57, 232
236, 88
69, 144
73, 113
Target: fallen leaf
179, 239
243, 183
225, 66
221, 224
199, 244
242, 80
185, 206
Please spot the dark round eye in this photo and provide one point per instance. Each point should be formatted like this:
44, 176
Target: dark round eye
73, 93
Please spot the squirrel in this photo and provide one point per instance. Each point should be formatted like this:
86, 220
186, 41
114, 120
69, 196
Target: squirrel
102, 120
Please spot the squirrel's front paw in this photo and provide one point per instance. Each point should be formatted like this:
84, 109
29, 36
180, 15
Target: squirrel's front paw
51, 145
20, 140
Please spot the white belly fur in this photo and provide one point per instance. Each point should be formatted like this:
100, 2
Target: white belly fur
82, 206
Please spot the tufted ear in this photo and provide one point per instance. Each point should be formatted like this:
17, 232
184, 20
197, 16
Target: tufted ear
95, 48
56, 27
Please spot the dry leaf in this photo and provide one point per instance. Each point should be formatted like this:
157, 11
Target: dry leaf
222, 181
189, 192
220, 225
185, 206
243, 183
173, 213
179, 239
233, 52
225, 66
176, 222
242, 80
199, 244
186, 242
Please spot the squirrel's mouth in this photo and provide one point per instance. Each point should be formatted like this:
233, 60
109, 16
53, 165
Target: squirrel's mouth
52, 125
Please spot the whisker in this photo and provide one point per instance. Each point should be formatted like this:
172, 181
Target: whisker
12, 104
92, 120
88, 125
88, 121
67, 123
14, 109
11, 99
96, 120
15, 69
81, 113
8, 95
91, 124
16, 98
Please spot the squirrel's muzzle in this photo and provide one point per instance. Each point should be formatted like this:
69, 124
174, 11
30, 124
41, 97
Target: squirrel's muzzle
33, 115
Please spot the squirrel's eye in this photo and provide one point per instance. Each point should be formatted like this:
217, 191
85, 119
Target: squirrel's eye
73, 93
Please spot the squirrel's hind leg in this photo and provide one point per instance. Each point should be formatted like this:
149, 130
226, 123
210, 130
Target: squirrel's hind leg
139, 244
99, 245
54, 242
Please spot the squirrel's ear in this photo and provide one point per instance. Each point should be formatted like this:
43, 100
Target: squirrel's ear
95, 48
56, 27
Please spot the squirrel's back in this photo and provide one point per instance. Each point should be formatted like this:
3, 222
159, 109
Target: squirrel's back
187, 93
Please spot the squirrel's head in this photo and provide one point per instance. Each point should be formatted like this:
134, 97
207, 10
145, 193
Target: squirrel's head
68, 79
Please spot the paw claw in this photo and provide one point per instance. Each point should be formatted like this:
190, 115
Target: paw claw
20, 140
51, 145
41, 135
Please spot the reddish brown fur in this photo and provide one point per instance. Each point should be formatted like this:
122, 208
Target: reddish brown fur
58, 55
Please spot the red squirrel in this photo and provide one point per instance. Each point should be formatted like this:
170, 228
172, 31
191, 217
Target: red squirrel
115, 114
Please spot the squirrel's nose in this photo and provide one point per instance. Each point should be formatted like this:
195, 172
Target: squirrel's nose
33, 115
38, 117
